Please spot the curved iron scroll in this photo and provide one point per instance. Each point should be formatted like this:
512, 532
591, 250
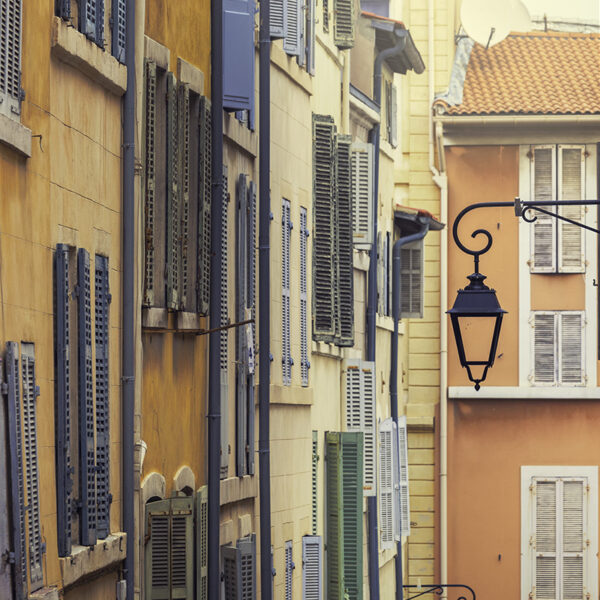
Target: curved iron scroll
439, 590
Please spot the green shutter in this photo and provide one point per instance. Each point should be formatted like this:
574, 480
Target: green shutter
335, 517
343, 28
202, 543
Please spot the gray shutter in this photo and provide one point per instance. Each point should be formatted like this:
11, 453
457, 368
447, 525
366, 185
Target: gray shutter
205, 191
10, 58
183, 127
62, 341
387, 87
102, 300
63, 9
343, 28
403, 489
119, 34
380, 273
310, 36
544, 228
292, 43
390, 248
247, 565
278, 16
388, 457
289, 569
545, 540
326, 16
17, 483
232, 573
100, 23
87, 18
574, 544
362, 194
411, 281
156, 554
323, 228
570, 353
181, 564
544, 347
6, 573
224, 334
385, 255
314, 473
312, 567
251, 303
304, 362
202, 543
286, 354
344, 241
394, 116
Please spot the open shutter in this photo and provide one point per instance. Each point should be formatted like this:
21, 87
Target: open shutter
278, 16
314, 472
570, 352
184, 243
87, 452
87, 18
232, 572
362, 194
286, 352
224, 334
6, 574
119, 33
326, 16
289, 569
304, 362
292, 44
310, 36
247, 562
344, 241
102, 300
10, 58
64, 477
411, 281
181, 565
63, 9
323, 228
544, 347
403, 491
388, 474
204, 200
100, 23
380, 274
157, 549
543, 189
385, 255
343, 27
393, 116
571, 169
251, 328
335, 517
312, 567
202, 543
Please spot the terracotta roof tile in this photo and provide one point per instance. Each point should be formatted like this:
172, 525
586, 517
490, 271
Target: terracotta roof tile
533, 73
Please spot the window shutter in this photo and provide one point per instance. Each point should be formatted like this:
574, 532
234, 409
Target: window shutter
326, 16
411, 281
251, 303
102, 300
6, 574
344, 241
390, 255
182, 547
292, 43
304, 362
64, 478
278, 16
571, 348
543, 190
343, 28
335, 517
393, 116
205, 193
247, 565
286, 353
572, 539
571, 168
312, 567
87, 453
403, 490
362, 194
310, 36
323, 228
380, 274
63, 9
232, 573
289, 569
385, 239
87, 18
202, 543
10, 58
387, 87
545, 541
238, 55
224, 334
119, 33
100, 23
183, 136
314, 472
388, 440
544, 347
17, 487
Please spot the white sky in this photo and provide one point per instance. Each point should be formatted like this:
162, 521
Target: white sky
588, 10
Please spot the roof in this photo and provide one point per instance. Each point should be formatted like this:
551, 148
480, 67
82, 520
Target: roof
528, 73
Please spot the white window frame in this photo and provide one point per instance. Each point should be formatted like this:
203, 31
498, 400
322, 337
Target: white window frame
528, 474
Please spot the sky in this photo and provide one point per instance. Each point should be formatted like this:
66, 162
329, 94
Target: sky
573, 9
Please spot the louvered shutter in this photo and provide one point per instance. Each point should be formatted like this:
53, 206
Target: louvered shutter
232, 573
183, 189
388, 456
310, 36
571, 169
543, 190
411, 281
362, 194
10, 58
251, 304
278, 16
182, 547
393, 116
224, 334
17, 480
62, 341
87, 451
289, 569
102, 300
314, 472
545, 541
202, 543
312, 567
335, 517
343, 27
173, 207
344, 241
304, 362
157, 549
323, 228
247, 566
100, 23
292, 43
544, 347
6, 574
286, 353
63, 9
205, 195
573, 540
387, 87
403, 489
571, 365
119, 33
87, 18
385, 255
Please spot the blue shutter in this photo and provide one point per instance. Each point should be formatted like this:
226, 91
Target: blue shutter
119, 33
310, 36
251, 303
6, 587
10, 57
63, 9
247, 566
238, 55
87, 18
64, 478
102, 300
292, 43
304, 362
278, 16
87, 454
224, 335
286, 354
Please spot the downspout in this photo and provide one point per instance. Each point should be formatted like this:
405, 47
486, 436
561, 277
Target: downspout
372, 535
128, 334
214, 372
396, 264
264, 301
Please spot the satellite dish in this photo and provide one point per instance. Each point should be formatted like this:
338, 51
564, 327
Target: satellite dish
488, 22
520, 18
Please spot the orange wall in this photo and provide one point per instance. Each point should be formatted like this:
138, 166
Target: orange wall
558, 292
488, 442
486, 174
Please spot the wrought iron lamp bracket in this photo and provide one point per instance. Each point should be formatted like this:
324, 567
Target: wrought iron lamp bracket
438, 589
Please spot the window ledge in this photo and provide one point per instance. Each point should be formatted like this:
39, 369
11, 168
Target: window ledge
361, 259
239, 134
15, 136
384, 322
387, 149
72, 47
235, 489
325, 349
155, 318
284, 394
85, 561
47, 593
524, 393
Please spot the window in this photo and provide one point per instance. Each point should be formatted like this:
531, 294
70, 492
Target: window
558, 347
286, 351
312, 567
239, 569
558, 173
10, 59
559, 532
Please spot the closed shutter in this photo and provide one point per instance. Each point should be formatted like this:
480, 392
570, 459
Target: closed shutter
62, 344
10, 58
286, 352
335, 517
293, 32
6, 574
323, 304
411, 281
224, 334
314, 472
100, 23
543, 189
544, 347
571, 369
87, 18
385, 255
251, 328
388, 453
393, 116
63, 9
205, 197
289, 569
326, 16
183, 188
571, 169
362, 194
87, 451
387, 86
232, 573
202, 543
173, 207
310, 36
312, 567
119, 33
403, 490
344, 241
380, 274
102, 300
278, 16
343, 28
247, 566
304, 362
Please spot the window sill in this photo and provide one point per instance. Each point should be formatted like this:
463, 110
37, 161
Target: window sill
289, 394
361, 260
156, 320
86, 561
290, 67
325, 349
384, 322
524, 393
240, 135
47, 593
73, 48
235, 489
16, 136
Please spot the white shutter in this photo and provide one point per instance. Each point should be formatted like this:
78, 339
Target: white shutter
286, 353
403, 491
544, 347
277, 16
293, 34
571, 170
312, 567
411, 281
543, 189
394, 117
571, 347
573, 542
545, 556
362, 194
388, 453
289, 568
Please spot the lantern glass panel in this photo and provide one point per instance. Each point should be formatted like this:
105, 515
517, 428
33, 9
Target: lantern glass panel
477, 334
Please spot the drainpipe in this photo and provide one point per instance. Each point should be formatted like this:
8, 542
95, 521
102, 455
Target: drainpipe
372, 535
128, 346
214, 372
264, 300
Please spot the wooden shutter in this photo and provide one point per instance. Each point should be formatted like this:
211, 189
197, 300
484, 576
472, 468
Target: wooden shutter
102, 300
286, 352
344, 241
343, 28
224, 334
251, 305
204, 200
10, 58
87, 18
87, 451
403, 490
393, 116
292, 43
314, 474
326, 16
571, 186
362, 194
385, 284
543, 189
570, 353
183, 189
119, 33
99, 23
544, 347
202, 543
247, 566
310, 36
181, 540
411, 281
289, 569
278, 16
335, 517
380, 274
6, 573
63, 9
304, 362
323, 303
388, 440
232, 573
312, 567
